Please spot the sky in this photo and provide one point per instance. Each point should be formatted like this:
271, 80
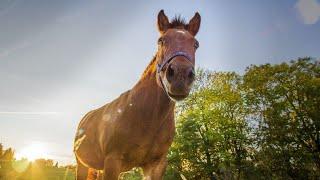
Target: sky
59, 59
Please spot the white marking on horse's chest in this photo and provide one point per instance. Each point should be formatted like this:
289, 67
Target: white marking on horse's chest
107, 117
80, 132
78, 142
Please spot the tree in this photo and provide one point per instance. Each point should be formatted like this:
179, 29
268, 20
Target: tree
6, 159
285, 101
43, 162
212, 138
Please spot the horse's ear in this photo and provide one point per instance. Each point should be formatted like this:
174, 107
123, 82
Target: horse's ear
163, 22
194, 24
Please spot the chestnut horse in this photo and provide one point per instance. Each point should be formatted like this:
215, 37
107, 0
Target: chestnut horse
137, 128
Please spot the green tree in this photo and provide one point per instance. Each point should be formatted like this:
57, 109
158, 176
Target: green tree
212, 139
285, 104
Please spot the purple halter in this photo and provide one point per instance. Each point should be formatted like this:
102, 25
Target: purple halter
167, 61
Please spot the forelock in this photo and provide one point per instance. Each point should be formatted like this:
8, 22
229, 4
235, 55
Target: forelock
178, 23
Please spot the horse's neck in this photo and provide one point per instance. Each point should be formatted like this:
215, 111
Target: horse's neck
153, 101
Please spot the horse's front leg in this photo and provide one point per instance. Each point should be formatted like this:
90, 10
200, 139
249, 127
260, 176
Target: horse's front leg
156, 169
112, 168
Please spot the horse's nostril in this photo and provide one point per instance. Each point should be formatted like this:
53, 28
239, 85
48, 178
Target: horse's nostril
191, 74
170, 71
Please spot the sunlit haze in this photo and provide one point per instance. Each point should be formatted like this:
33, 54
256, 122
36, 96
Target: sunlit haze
33, 151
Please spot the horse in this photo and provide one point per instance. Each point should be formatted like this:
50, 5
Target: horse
137, 128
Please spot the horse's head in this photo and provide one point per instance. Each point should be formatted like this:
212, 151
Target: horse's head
176, 55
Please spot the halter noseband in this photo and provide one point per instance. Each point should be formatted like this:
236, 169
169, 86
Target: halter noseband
167, 61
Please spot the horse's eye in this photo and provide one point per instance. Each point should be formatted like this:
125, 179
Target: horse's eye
196, 44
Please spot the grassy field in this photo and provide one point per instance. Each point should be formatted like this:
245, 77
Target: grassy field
36, 173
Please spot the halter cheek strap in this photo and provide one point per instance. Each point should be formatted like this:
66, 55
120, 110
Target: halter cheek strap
167, 61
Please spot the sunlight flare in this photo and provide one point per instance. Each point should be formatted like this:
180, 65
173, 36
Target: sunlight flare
33, 151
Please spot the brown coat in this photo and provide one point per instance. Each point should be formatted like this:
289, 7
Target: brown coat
137, 128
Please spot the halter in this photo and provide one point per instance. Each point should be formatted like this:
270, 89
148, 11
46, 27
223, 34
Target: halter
167, 61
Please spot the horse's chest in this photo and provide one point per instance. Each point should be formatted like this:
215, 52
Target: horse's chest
150, 147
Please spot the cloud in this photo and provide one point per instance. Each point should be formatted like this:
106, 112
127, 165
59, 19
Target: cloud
309, 11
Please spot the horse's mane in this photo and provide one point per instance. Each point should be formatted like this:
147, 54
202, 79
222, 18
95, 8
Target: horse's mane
176, 23
151, 67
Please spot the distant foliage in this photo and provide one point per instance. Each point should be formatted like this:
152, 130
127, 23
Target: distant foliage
134, 174
264, 124
213, 135
44, 163
284, 100
6, 159
40, 169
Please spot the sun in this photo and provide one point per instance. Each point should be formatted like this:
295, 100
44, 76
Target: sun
33, 151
